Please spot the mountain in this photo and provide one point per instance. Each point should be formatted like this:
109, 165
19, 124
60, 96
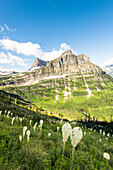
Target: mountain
67, 63
4, 73
70, 86
108, 69
37, 64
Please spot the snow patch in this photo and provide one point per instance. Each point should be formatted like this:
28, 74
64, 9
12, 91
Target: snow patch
54, 77
35, 68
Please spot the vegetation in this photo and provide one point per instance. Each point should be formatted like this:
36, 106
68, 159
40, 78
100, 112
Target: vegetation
45, 151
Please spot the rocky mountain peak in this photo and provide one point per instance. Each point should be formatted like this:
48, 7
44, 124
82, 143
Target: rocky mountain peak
67, 53
38, 63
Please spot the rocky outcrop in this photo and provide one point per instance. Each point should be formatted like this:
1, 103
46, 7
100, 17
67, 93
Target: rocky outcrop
38, 63
69, 63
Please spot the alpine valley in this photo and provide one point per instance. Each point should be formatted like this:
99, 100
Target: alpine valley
69, 87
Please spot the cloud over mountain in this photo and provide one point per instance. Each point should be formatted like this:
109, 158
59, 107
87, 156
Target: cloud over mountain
29, 49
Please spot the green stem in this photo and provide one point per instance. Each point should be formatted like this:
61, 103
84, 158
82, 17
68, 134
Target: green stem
72, 157
62, 155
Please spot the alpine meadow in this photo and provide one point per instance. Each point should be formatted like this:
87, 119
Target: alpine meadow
56, 85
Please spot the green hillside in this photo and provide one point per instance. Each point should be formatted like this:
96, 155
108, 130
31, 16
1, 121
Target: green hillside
45, 152
70, 96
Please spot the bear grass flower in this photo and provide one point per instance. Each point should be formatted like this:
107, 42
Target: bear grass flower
66, 131
76, 136
20, 119
30, 122
106, 155
12, 120
41, 123
34, 127
24, 130
49, 134
57, 129
28, 135
20, 138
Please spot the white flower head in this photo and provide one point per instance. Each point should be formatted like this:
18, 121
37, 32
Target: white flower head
76, 136
20, 138
108, 134
5, 111
35, 124
20, 119
106, 155
28, 135
84, 133
100, 140
34, 127
0, 113
49, 134
57, 129
41, 123
9, 112
100, 131
13, 120
103, 133
66, 131
24, 130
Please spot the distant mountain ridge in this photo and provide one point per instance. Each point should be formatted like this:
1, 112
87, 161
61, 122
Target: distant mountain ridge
108, 69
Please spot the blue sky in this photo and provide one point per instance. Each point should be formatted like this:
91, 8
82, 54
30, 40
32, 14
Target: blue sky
46, 28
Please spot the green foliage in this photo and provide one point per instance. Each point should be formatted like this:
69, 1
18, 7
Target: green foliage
44, 152
79, 93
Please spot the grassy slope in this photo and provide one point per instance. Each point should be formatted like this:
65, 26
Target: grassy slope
44, 152
100, 105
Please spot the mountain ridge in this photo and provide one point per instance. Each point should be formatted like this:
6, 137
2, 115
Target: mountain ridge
67, 63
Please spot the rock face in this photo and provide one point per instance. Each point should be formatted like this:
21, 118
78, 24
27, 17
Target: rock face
38, 63
67, 63
70, 63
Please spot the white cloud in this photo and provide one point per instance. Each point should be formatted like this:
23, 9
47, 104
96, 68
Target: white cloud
1, 28
55, 53
21, 48
109, 62
8, 58
9, 29
29, 48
